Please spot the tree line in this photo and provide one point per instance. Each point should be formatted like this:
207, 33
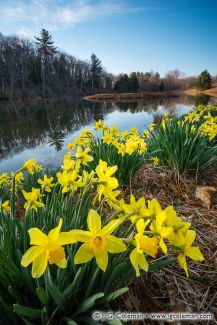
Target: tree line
30, 68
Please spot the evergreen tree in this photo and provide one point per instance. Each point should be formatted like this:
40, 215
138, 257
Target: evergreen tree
96, 71
133, 82
45, 50
204, 81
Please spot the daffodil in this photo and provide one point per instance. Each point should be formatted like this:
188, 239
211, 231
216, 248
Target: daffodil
119, 206
161, 231
156, 161
107, 183
70, 165
32, 199
98, 241
71, 145
131, 146
99, 125
4, 179
188, 250
122, 149
46, 183
69, 181
107, 138
6, 207
46, 249
138, 208
146, 133
144, 244
152, 126
82, 156
179, 227
31, 166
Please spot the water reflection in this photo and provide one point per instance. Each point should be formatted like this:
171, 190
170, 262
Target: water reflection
41, 129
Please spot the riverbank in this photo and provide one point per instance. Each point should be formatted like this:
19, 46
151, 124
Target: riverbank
210, 92
130, 96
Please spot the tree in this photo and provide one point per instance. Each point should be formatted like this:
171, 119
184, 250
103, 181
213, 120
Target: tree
204, 81
96, 71
133, 82
45, 50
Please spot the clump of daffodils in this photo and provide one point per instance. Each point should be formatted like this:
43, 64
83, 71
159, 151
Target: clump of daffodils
154, 231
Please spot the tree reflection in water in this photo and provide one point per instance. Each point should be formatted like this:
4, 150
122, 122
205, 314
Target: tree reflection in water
36, 124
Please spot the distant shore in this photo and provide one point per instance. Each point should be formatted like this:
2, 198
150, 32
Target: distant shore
210, 92
130, 96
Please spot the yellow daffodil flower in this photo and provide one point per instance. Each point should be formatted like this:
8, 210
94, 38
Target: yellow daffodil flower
46, 183
179, 227
144, 244
161, 231
71, 145
122, 149
141, 211
107, 138
156, 161
146, 133
188, 250
46, 249
107, 183
82, 156
98, 125
152, 126
69, 181
4, 179
31, 166
32, 199
131, 146
98, 242
6, 207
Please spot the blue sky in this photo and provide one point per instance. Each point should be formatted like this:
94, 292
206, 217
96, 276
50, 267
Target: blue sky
127, 35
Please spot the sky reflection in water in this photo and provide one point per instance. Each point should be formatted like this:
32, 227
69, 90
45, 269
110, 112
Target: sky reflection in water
41, 130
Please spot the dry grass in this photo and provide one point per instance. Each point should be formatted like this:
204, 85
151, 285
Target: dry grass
211, 92
169, 289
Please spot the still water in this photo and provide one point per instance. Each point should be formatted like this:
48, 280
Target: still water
40, 130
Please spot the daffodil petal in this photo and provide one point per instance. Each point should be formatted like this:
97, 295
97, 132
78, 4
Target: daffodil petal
183, 263
37, 237
54, 233
110, 227
66, 238
31, 254
94, 222
84, 254
143, 264
190, 237
163, 246
102, 260
115, 245
39, 265
194, 253
78, 235
62, 264
134, 259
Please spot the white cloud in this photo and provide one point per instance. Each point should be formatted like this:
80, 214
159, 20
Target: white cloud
54, 15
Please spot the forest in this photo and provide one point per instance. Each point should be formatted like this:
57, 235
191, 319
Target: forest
35, 68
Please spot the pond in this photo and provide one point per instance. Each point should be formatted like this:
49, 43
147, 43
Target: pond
40, 130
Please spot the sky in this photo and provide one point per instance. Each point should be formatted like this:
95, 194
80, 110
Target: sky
127, 35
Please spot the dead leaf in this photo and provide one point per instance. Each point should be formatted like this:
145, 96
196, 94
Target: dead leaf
202, 193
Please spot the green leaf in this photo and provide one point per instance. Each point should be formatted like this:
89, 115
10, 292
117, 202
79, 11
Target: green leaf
88, 303
160, 264
27, 312
55, 293
114, 295
42, 295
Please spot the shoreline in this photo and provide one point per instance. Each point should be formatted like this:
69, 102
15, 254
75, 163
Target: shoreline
130, 96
